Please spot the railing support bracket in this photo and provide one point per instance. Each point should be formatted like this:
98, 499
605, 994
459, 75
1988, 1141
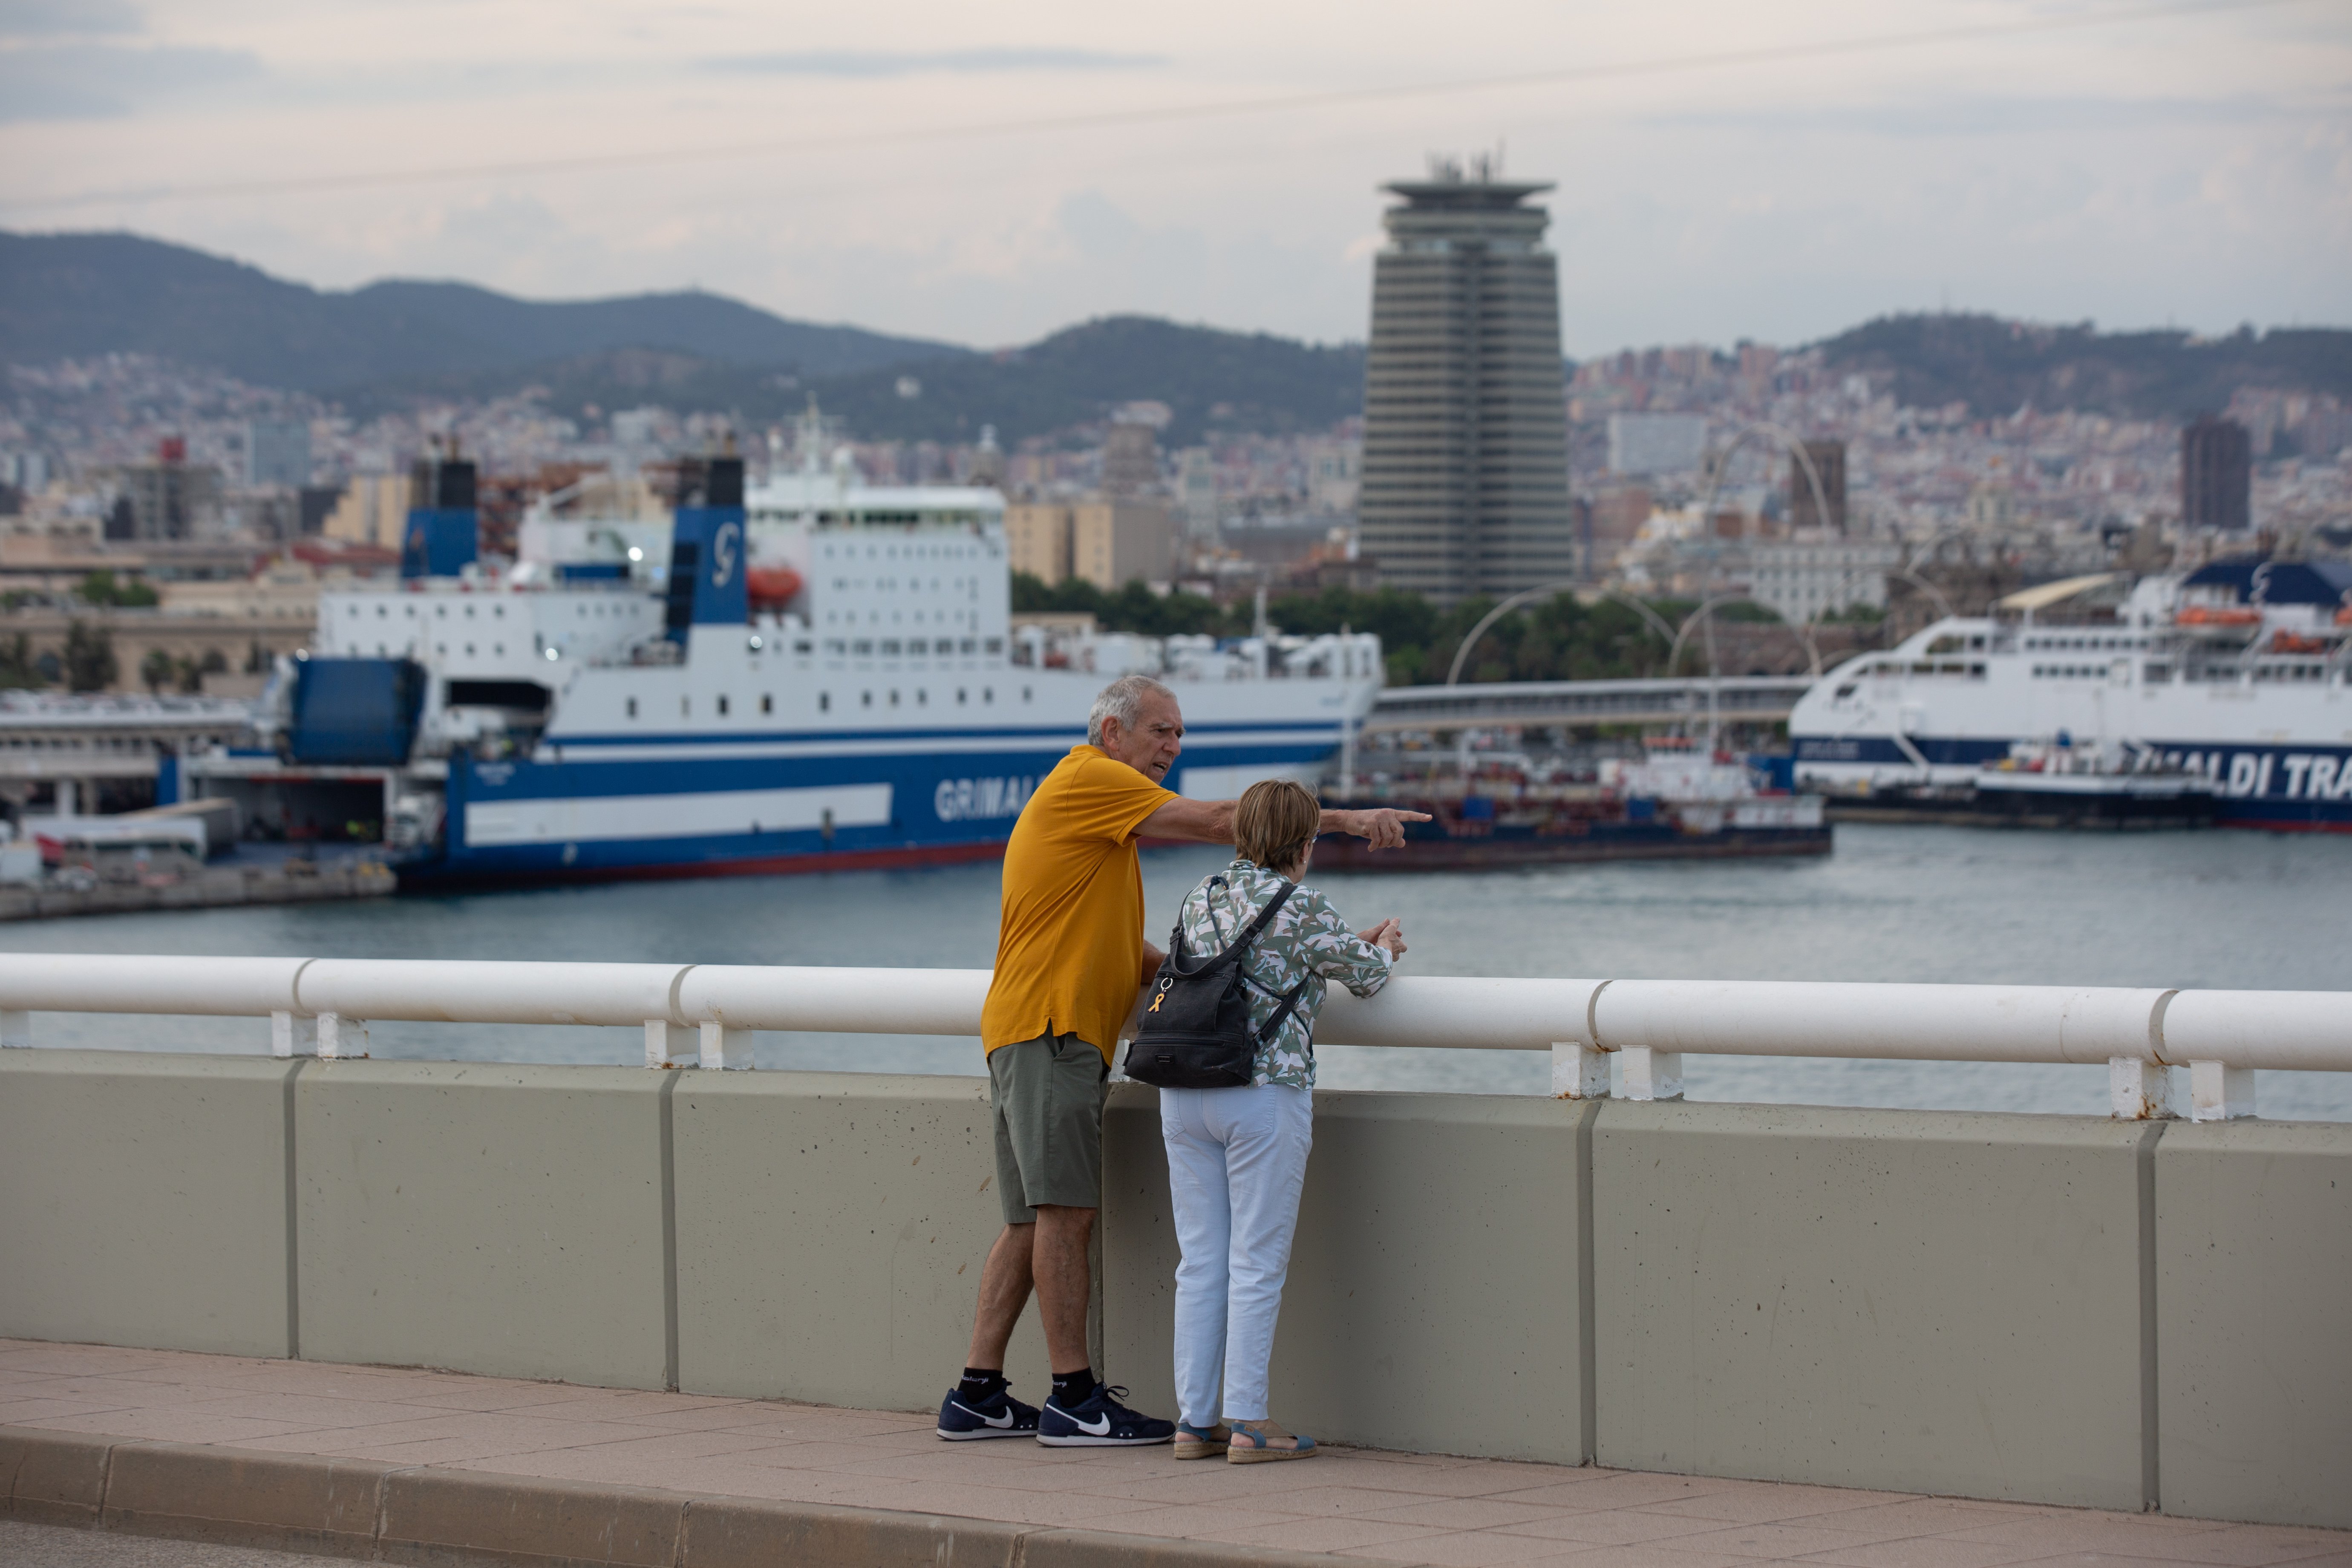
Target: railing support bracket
1653, 1074
668, 1044
2138, 1090
340, 1037
2219, 1092
1579, 1071
722, 1047
293, 1035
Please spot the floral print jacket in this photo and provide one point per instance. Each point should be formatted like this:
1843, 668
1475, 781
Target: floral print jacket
1306, 939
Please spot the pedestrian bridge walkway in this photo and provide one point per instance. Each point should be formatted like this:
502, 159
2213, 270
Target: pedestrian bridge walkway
405, 1465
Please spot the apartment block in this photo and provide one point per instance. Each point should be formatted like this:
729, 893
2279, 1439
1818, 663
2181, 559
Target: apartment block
1109, 542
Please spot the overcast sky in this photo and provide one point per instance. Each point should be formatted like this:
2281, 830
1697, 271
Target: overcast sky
987, 173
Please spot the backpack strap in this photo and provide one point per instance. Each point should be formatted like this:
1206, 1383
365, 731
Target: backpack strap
1176, 933
1264, 915
1290, 999
1289, 1005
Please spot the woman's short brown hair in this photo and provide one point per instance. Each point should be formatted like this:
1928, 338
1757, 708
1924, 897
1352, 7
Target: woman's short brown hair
1275, 822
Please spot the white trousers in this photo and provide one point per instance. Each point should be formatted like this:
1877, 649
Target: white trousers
1236, 1161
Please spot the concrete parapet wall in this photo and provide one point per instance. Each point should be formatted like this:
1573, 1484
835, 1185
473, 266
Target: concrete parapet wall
1907, 1300
1961, 1304
144, 1200
829, 1232
2254, 1299
506, 1220
1434, 1297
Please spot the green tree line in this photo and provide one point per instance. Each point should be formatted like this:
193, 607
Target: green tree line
1561, 638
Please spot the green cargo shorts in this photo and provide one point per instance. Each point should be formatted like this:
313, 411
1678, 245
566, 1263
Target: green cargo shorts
1048, 1095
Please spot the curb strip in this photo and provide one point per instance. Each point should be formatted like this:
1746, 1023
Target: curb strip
376, 1512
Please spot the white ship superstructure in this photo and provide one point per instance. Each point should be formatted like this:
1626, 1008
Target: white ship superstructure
813, 675
2241, 670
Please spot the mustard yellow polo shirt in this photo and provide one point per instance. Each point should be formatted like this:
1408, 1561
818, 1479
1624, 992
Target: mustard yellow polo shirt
1069, 947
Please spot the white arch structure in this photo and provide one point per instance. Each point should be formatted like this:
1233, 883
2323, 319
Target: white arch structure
1461, 654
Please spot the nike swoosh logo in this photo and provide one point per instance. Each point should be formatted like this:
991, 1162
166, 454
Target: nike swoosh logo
1004, 1420
1090, 1429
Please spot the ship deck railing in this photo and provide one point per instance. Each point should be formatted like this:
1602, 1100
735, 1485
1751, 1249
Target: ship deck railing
705, 1015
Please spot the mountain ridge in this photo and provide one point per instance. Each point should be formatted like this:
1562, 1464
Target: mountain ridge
1996, 366
397, 343
80, 295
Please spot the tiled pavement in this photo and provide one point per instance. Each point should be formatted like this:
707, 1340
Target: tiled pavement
1398, 1508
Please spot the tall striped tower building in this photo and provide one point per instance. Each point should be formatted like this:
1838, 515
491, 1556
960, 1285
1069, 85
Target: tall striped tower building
1465, 424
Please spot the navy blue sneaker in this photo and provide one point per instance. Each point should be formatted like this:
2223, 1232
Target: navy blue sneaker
1100, 1421
998, 1415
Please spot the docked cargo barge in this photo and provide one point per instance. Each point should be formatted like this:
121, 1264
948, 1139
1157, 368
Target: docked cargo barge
1671, 805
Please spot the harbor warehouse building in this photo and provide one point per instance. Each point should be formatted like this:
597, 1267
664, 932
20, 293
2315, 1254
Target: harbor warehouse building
1465, 435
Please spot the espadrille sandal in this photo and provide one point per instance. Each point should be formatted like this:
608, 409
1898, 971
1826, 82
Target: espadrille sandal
1262, 1442
1194, 1443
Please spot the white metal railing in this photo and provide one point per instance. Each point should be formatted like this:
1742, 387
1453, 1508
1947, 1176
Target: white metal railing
708, 1012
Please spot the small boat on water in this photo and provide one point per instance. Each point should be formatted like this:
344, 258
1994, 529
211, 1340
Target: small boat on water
2051, 784
1672, 804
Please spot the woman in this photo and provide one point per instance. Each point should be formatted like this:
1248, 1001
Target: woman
1237, 1157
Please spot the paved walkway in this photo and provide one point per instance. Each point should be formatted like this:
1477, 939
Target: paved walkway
1398, 1508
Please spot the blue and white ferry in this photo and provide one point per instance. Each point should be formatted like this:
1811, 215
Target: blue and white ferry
2241, 670
815, 676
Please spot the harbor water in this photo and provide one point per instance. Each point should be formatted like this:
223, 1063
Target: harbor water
2225, 909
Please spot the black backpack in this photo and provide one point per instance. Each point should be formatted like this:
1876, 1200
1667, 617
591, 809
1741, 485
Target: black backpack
1196, 1032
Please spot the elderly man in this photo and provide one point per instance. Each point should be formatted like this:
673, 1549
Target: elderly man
1070, 955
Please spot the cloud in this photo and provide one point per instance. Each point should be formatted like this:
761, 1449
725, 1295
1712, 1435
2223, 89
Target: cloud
96, 81
861, 63
54, 18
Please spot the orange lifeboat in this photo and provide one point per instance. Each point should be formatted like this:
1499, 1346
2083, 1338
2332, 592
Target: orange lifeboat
2287, 642
772, 587
2344, 617
2219, 616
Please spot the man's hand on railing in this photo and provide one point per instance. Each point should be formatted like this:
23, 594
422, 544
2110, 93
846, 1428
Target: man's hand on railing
1383, 826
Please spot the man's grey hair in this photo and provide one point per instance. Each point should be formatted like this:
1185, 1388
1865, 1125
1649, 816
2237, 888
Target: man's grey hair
1122, 699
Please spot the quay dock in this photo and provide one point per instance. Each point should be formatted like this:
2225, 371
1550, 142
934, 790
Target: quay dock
1608, 1287
246, 877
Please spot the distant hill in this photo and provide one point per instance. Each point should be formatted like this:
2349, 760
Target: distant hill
1211, 380
77, 295
1997, 368
393, 344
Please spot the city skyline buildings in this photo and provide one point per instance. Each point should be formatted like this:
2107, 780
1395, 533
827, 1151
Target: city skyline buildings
2036, 173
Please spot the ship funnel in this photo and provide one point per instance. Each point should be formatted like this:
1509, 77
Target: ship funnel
707, 547
440, 538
